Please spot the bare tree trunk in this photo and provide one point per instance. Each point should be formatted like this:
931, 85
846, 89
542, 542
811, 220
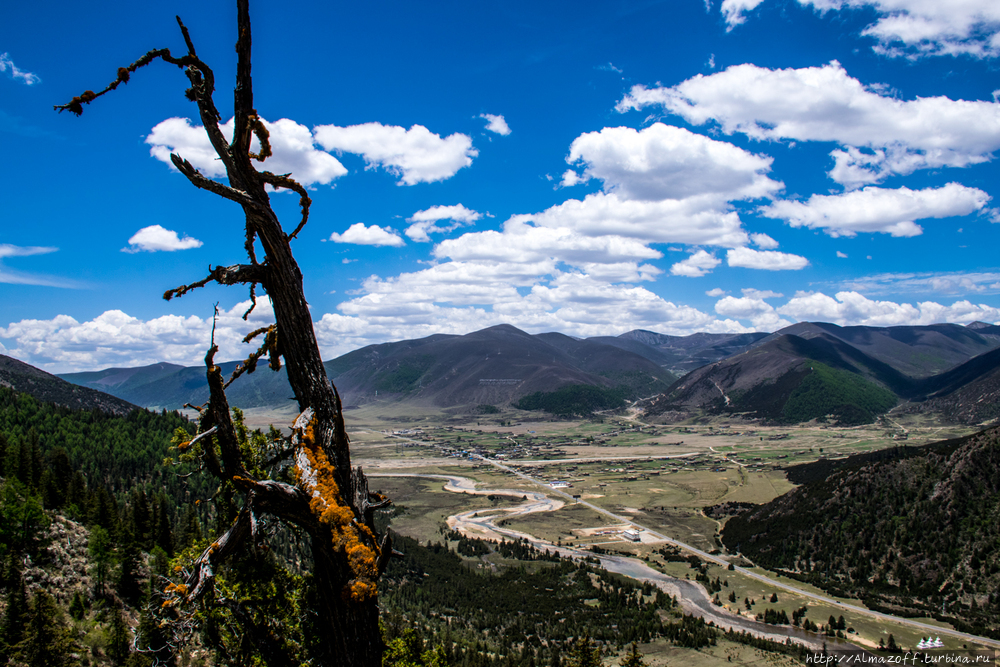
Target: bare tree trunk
330, 501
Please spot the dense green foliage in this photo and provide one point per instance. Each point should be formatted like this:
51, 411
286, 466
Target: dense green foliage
115, 451
850, 398
574, 399
915, 533
816, 391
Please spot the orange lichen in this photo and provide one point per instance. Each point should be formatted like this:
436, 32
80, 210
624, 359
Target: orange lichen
316, 474
180, 589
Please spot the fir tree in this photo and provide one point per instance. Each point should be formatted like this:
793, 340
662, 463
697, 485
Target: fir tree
46, 642
584, 653
633, 658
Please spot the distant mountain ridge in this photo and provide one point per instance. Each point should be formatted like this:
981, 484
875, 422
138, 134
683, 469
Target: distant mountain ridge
776, 377
49, 388
816, 366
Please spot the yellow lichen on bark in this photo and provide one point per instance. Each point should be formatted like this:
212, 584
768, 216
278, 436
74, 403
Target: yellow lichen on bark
316, 475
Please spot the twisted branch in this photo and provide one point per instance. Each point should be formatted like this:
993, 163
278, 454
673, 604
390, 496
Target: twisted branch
285, 181
224, 275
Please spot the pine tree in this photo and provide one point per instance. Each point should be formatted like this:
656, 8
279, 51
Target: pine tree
633, 658
15, 619
46, 642
118, 639
584, 653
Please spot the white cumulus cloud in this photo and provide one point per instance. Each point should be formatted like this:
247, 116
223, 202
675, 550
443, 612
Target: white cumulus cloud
771, 260
761, 314
852, 308
692, 221
873, 209
156, 238
496, 124
735, 11
666, 162
697, 265
425, 222
915, 28
114, 338
763, 241
520, 241
416, 155
292, 145
880, 135
359, 234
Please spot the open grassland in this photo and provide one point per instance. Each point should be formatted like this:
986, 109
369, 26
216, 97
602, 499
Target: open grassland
661, 653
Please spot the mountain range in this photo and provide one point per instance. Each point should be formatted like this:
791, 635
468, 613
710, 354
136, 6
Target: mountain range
812, 370
805, 371
494, 366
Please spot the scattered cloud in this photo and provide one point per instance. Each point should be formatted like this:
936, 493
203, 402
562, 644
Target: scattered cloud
852, 308
698, 264
609, 68
156, 238
8, 250
17, 74
876, 209
416, 155
666, 162
12, 277
914, 28
735, 11
496, 124
763, 241
521, 242
762, 315
841, 255
359, 234
879, 134
292, 145
986, 282
425, 222
693, 221
770, 260
718, 291
760, 293
63, 344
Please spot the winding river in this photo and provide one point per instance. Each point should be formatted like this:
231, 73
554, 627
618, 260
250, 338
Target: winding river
692, 597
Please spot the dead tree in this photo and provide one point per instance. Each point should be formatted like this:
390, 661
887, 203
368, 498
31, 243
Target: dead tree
329, 500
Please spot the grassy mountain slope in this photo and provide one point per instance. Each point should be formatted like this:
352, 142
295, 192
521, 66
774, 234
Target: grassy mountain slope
915, 351
493, 366
916, 531
788, 379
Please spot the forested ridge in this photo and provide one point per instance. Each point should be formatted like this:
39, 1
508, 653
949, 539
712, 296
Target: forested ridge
916, 533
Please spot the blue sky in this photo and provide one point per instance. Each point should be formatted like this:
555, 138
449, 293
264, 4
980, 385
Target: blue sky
581, 167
